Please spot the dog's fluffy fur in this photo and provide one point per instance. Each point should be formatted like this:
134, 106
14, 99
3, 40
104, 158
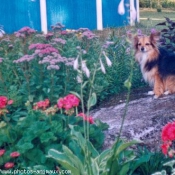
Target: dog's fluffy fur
157, 65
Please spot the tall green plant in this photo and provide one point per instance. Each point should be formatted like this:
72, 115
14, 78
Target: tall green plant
94, 163
116, 160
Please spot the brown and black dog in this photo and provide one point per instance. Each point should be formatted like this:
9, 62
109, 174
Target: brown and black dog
157, 64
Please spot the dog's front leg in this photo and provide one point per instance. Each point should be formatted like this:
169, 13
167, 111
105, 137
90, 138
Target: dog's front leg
158, 86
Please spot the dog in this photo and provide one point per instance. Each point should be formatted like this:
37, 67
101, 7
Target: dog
156, 63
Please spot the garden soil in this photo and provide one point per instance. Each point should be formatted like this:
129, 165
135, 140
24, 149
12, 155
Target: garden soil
144, 119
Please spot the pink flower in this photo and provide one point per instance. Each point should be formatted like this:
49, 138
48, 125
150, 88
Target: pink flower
15, 154
64, 32
68, 102
9, 165
60, 103
10, 102
2, 151
164, 148
73, 100
90, 120
3, 102
86, 118
41, 104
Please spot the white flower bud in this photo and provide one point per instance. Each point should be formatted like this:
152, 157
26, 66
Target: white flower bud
76, 65
85, 69
108, 61
102, 67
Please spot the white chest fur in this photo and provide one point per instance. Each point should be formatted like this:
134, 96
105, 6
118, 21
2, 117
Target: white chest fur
147, 75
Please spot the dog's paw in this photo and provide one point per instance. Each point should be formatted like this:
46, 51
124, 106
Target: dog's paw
166, 93
150, 92
155, 97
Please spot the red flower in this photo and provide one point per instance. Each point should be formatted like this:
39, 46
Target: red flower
10, 102
86, 118
42, 104
164, 148
9, 165
168, 132
68, 102
2, 151
3, 102
168, 135
15, 154
72, 99
60, 103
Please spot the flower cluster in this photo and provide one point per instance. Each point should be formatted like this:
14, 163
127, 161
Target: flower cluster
168, 136
86, 118
4, 102
41, 104
88, 34
13, 155
25, 31
68, 102
42, 49
59, 40
1, 59
25, 58
57, 26
54, 59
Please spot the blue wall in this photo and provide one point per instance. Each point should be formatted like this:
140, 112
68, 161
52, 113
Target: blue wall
15, 14
111, 18
72, 13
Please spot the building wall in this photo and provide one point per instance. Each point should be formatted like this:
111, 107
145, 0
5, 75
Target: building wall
15, 14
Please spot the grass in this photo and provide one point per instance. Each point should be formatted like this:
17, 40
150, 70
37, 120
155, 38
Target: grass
150, 17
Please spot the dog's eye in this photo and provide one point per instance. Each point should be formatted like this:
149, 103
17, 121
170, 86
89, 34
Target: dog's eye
147, 44
139, 44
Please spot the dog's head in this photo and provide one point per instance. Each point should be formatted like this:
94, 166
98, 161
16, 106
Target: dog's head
146, 43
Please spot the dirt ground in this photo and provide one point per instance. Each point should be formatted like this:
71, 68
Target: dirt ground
144, 119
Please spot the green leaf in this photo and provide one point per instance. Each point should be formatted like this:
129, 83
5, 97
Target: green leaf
136, 163
92, 100
103, 157
2, 124
75, 93
84, 144
94, 167
63, 160
75, 160
23, 147
84, 84
124, 169
124, 146
127, 84
46, 137
36, 155
31, 98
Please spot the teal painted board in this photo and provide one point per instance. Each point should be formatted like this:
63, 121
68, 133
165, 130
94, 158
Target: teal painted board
15, 14
111, 17
73, 14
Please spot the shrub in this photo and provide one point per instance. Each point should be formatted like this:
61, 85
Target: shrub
41, 129
168, 34
34, 66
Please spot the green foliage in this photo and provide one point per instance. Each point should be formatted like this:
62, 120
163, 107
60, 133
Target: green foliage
169, 164
36, 133
149, 162
116, 160
22, 80
155, 3
168, 34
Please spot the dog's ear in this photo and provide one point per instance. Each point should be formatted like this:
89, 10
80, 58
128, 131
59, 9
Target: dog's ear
133, 39
154, 37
